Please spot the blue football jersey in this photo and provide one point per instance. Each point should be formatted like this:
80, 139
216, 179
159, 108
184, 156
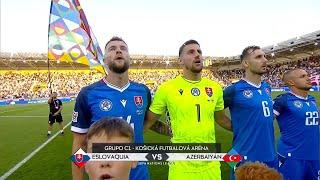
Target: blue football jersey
252, 120
102, 99
298, 120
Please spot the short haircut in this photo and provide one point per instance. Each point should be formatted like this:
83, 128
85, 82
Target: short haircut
114, 38
110, 127
247, 51
256, 171
191, 41
287, 73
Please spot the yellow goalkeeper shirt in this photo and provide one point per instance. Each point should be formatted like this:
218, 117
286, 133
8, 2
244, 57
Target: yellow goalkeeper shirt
191, 106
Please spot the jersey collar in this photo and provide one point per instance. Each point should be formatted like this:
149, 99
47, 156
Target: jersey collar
300, 97
116, 87
251, 83
190, 81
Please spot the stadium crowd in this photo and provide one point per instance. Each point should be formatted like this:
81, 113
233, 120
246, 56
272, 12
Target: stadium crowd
30, 85
33, 84
275, 71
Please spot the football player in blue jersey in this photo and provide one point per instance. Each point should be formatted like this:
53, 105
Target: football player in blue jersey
113, 96
298, 118
250, 104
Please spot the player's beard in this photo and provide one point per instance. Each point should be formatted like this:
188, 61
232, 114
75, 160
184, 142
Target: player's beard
195, 69
305, 88
117, 68
258, 72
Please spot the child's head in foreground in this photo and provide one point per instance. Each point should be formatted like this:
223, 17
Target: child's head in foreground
109, 130
256, 171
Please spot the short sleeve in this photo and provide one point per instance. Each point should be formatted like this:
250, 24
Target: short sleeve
148, 96
278, 104
220, 102
159, 103
228, 95
81, 116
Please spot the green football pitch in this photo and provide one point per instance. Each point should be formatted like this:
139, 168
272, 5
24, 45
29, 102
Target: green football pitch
23, 129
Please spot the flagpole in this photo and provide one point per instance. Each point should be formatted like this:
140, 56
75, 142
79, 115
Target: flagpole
49, 75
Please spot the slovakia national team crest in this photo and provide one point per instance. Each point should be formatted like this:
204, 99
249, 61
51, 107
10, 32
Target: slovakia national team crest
80, 158
298, 104
209, 91
248, 93
138, 101
105, 105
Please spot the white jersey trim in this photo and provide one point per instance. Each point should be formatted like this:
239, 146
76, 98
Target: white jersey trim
251, 83
276, 112
116, 87
79, 130
300, 97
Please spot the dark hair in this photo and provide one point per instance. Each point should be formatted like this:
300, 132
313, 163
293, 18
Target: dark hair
111, 127
114, 38
287, 73
247, 51
191, 41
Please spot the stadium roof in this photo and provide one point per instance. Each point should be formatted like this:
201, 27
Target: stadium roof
289, 50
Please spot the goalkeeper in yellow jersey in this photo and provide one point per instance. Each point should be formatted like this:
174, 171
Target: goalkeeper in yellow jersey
194, 103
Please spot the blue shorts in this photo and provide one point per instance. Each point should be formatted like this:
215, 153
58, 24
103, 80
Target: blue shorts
272, 164
298, 169
140, 172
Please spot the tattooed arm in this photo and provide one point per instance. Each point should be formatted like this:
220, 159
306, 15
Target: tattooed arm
152, 122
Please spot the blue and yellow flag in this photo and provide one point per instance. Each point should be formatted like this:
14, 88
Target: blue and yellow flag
70, 36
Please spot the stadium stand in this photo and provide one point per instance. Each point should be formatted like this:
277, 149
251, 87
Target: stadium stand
25, 75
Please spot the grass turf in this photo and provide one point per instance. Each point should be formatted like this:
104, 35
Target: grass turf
19, 136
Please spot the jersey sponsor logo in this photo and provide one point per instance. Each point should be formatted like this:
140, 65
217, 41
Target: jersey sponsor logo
123, 102
209, 91
181, 91
105, 105
138, 101
247, 93
298, 104
195, 92
75, 116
